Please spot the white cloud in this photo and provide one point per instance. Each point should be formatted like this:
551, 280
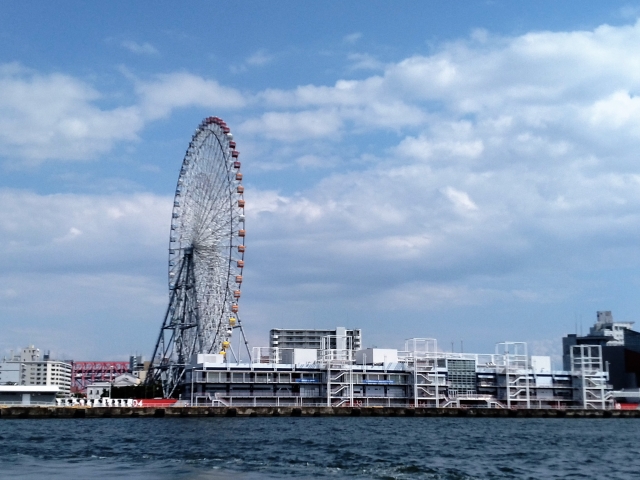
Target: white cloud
84, 274
364, 61
71, 235
9, 293
292, 127
629, 12
315, 161
453, 146
59, 117
63, 232
535, 80
83, 315
618, 110
538, 80
494, 201
460, 200
417, 294
259, 58
352, 37
56, 116
139, 48
180, 90
496, 171
363, 105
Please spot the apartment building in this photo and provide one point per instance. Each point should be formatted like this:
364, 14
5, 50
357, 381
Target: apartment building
30, 367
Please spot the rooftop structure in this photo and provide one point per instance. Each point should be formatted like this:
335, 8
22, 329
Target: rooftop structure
612, 332
312, 338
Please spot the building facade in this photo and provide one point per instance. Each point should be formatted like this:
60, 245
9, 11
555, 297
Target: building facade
9, 373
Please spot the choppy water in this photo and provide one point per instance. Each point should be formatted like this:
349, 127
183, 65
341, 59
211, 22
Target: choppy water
378, 448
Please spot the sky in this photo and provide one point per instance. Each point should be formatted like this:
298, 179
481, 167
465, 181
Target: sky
465, 171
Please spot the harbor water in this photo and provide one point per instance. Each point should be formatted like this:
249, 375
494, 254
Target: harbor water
331, 447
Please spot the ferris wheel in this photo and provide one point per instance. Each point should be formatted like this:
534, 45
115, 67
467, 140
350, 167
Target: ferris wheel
206, 256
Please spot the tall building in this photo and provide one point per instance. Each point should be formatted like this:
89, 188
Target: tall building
612, 333
29, 367
312, 338
620, 349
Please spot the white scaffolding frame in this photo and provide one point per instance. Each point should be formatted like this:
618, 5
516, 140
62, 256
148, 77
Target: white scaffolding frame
429, 384
587, 368
512, 360
266, 355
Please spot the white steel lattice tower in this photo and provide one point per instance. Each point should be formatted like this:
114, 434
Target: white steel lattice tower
206, 256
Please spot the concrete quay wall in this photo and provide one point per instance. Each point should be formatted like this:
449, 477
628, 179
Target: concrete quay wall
17, 412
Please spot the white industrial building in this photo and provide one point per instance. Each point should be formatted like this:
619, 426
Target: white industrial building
420, 375
24, 395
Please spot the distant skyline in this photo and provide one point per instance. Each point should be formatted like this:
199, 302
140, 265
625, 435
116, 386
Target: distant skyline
460, 171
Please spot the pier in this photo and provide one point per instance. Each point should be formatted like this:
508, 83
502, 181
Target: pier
21, 412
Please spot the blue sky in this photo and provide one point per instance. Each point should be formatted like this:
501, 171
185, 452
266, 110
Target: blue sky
464, 171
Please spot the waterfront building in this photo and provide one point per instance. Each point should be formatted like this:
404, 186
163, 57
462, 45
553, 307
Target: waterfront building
98, 390
95, 391
24, 395
421, 375
32, 368
312, 338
